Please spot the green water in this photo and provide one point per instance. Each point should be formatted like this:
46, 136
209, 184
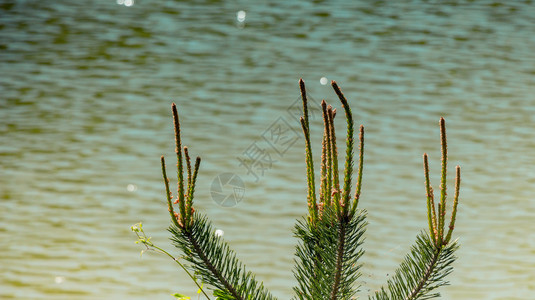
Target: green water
85, 93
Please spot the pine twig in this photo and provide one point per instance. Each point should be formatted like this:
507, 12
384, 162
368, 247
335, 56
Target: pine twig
174, 216
328, 156
180, 167
455, 202
431, 213
361, 166
311, 198
442, 205
334, 154
312, 203
349, 148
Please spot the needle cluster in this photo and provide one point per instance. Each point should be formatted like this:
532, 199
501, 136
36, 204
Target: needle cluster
327, 257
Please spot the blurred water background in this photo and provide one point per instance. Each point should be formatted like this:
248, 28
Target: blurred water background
85, 94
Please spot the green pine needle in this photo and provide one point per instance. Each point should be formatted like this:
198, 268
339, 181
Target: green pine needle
319, 257
422, 271
211, 257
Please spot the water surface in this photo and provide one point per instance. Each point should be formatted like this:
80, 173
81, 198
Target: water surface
85, 97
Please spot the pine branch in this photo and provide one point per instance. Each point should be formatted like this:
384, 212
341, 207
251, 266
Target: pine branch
311, 198
325, 267
349, 147
327, 258
430, 259
323, 179
327, 178
421, 272
437, 221
359, 176
180, 167
334, 160
339, 260
211, 257
312, 280
191, 189
431, 213
188, 164
349, 252
174, 216
444, 160
455, 203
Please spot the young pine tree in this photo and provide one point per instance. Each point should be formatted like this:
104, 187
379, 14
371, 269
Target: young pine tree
330, 236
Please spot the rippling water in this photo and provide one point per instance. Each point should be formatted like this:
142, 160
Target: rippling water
85, 93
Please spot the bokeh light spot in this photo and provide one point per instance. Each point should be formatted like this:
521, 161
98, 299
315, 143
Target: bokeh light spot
131, 187
240, 16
